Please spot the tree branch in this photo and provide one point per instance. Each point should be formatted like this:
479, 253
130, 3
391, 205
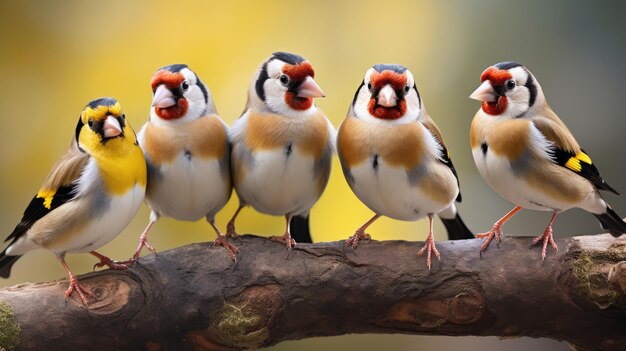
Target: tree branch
194, 298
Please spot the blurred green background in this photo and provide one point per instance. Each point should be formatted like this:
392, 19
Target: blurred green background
58, 55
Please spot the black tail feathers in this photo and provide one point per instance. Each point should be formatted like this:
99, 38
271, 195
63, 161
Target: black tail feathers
6, 262
299, 227
457, 230
612, 222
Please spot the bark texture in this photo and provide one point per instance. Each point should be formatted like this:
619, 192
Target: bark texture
195, 298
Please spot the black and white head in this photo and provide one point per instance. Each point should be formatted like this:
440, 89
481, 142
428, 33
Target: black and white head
284, 85
179, 95
388, 94
509, 90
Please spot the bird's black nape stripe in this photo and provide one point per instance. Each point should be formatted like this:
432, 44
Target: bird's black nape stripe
104, 101
390, 67
205, 92
532, 89
79, 126
287, 57
507, 65
173, 68
419, 98
357, 92
263, 76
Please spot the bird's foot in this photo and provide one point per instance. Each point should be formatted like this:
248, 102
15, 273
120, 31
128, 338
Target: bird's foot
547, 238
285, 239
496, 231
230, 231
429, 247
231, 250
116, 265
82, 292
353, 241
143, 241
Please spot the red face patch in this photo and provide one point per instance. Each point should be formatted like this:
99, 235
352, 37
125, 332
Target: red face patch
497, 78
497, 107
397, 82
297, 74
172, 80
298, 103
379, 80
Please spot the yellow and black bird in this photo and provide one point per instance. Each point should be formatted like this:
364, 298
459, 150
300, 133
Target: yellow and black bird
526, 153
282, 145
92, 193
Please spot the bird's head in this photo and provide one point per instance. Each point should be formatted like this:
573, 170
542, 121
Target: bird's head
179, 95
387, 93
100, 121
508, 89
284, 84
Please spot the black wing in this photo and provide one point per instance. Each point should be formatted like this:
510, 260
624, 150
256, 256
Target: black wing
582, 165
40, 207
445, 159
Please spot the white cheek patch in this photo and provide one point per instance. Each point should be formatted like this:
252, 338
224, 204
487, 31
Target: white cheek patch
189, 76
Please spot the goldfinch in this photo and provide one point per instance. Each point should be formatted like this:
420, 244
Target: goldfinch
187, 151
93, 191
282, 145
394, 158
526, 154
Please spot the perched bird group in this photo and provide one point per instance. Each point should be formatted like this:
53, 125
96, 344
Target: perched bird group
277, 155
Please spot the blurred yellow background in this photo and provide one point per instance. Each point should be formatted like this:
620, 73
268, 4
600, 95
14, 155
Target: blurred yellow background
58, 55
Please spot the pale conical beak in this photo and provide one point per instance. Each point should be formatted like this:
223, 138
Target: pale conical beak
387, 96
310, 89
111, 127
484, 92
163, 97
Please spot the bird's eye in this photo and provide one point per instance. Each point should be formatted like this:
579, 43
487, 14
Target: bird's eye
369, 86
510, 84
406, 89
184, 85
123, 116
90, 122
284, 80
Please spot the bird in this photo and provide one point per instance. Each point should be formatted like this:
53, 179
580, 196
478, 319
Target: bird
394, 157
91, 194
187, 152
527, 154
282, 146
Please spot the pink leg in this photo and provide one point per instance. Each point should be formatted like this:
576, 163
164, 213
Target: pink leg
230, 228
430, 243
105, 261
360, 233
143, 238
221, 240
75, 286
547, 237
285, 238
496, 230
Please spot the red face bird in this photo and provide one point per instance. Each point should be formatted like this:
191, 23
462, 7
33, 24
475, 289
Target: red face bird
388, 89
168, 90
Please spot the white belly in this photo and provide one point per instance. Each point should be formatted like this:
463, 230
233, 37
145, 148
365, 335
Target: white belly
105, 228
278, 184
189, 189
498, 173
387, 191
